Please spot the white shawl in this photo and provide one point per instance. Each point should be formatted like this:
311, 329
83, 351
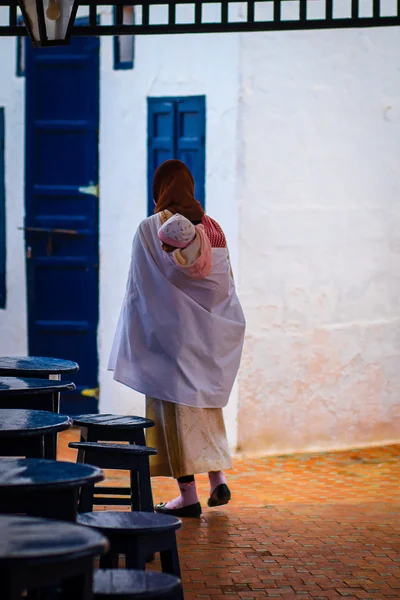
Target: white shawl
178, 339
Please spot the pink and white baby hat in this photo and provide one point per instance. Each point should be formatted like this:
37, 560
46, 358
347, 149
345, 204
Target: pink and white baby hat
178, 232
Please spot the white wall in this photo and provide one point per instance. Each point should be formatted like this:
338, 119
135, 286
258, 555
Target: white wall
320, 239
13, 337
164, 66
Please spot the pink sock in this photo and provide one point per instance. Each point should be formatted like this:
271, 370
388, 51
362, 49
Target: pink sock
188, 496
216, 478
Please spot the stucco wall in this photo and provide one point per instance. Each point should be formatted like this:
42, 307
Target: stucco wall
320, 240
164, 66
13, 339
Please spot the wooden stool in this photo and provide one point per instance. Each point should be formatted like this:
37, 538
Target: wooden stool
39, 367
43, 488
123, 457
31, 393
36, 554
137, 536
112, 428
135, 585
34, 394
30, 433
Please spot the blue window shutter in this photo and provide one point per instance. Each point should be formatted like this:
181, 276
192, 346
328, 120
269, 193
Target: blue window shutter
191, 135
2, 213
160, 143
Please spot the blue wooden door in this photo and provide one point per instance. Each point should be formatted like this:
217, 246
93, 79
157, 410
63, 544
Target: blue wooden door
2, 213
61, 224
176, 129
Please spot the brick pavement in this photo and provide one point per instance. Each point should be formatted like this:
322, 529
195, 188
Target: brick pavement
312, 526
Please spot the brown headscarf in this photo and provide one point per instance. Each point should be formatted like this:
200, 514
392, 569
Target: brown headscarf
173, 190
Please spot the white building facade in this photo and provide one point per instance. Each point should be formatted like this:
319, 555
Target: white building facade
302, 148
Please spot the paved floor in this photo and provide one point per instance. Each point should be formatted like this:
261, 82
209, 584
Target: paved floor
313, 526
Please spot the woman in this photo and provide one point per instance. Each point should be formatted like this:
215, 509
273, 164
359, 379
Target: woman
179, 341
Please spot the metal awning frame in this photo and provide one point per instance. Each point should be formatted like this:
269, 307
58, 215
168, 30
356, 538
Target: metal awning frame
249, 22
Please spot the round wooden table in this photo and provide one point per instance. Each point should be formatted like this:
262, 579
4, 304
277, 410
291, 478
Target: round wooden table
36, 553
32, 393
36, 366
28, 392
30, 433
44, 488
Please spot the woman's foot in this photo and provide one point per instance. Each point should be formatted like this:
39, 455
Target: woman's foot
219, 491
187, 504
193, 511
220, 496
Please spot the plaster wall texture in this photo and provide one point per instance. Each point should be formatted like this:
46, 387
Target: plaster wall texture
319, 240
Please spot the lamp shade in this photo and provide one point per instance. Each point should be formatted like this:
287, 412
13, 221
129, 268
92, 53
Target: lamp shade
49, 22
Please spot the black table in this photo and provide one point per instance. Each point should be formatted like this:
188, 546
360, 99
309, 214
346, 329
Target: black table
35, 553
36, 366
44, 488
31, 393
30, 433
42, 394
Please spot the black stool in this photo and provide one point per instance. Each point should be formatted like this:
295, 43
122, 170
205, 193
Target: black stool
43, 488
135, 585
137, 536
123, 457
36, 554
112, 428
30, 433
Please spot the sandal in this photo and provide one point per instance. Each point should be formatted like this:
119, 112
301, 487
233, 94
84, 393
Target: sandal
220, 496
193, 511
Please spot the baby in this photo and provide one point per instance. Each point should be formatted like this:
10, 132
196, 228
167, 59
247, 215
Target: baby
177, 232
188, 245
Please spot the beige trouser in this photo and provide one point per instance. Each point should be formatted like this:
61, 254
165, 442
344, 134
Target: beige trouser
188, 440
